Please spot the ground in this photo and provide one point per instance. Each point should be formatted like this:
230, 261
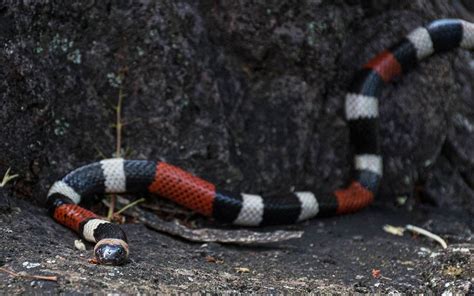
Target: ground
247, 94
334, 255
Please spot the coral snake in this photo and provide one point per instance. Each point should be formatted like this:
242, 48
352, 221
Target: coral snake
165, 180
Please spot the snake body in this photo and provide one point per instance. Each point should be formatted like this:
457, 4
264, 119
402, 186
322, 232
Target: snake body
361, 109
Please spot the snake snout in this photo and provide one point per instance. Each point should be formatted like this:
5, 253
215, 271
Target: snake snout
111, 252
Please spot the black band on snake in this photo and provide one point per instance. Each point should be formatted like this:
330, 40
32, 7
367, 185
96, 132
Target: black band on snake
165, 180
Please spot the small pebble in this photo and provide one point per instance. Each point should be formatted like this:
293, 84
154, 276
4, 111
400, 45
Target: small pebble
79, 245
30, 265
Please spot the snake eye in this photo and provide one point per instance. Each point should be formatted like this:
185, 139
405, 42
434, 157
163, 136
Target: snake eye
111, 252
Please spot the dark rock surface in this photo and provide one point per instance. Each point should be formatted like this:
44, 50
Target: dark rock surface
249, 95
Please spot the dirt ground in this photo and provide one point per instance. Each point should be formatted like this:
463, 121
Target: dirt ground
337, 255
249, 95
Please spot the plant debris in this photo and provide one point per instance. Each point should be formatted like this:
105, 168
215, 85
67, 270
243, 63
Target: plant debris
28, 276
237, 236
428, 234
207, 235
7, 178
394, 230
418, 230
376, 273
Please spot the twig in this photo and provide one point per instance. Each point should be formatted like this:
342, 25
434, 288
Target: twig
118, 139
110, 212
119, 123
130, 205
7, 178
428, 234
28, 276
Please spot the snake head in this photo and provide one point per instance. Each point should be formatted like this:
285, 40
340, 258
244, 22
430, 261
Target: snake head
111, 251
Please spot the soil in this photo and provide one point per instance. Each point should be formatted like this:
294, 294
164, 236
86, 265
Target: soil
246, 94
338, 254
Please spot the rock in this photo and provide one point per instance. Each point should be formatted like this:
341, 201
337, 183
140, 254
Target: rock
248, 96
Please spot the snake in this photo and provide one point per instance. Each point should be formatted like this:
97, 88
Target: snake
117, 175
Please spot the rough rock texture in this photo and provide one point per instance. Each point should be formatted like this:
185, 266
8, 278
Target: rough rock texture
247, 94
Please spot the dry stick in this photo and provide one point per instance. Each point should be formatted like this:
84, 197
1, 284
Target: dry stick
118, 142
428, 234
35, 277
118, 124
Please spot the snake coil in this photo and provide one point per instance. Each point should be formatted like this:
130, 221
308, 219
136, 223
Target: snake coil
361, 108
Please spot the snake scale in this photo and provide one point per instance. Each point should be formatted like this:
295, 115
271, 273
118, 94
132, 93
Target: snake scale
361, 110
